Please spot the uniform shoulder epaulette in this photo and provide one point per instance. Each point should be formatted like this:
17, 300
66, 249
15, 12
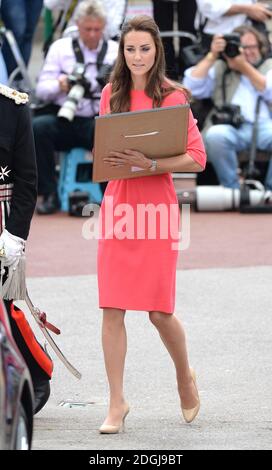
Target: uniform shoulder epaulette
18, 96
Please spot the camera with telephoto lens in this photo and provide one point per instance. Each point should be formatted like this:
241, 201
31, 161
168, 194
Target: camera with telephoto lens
219, 198
251, 197
233, 45
79, 87
227, 114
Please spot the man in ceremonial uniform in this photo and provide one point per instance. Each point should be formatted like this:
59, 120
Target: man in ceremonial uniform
18, 193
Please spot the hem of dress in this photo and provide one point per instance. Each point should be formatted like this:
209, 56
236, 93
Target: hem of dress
141, 309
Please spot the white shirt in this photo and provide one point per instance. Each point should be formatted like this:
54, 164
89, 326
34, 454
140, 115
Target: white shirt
245, 95
61, 59
114, 9
214, 10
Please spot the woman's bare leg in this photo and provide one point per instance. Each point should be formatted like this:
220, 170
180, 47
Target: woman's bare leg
114, 342
173, 336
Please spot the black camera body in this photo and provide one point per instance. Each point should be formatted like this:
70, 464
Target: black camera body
77, 77
80, 88
227, 114
233, 45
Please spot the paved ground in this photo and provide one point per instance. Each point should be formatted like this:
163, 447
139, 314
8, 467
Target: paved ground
227, 316
223, 298
57, 248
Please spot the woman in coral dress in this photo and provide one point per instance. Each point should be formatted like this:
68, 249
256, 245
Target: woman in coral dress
136, 261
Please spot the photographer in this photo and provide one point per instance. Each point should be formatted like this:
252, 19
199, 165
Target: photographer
234, 83
71, 81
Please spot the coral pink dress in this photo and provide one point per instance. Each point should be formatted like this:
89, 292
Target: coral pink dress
139, 272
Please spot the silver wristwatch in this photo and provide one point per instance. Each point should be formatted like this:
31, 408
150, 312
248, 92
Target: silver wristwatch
153, 166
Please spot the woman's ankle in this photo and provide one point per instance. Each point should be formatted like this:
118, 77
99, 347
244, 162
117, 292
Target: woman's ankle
184, 380
117, 402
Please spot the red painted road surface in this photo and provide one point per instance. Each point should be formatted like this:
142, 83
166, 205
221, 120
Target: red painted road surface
225, 239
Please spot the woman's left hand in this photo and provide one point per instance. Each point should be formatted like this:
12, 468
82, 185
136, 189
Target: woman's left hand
128, 158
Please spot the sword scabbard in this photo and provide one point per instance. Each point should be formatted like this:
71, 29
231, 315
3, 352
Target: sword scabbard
43, 325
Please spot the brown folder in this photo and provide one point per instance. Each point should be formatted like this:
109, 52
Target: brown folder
158, 133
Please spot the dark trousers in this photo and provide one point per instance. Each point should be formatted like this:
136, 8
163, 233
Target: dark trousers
21, 17
163, 12
52, 134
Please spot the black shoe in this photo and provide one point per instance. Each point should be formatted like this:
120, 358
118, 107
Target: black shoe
41, 393
50, 204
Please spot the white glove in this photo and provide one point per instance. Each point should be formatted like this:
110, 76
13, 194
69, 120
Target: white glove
11, 247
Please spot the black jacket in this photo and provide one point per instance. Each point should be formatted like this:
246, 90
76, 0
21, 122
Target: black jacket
18, 164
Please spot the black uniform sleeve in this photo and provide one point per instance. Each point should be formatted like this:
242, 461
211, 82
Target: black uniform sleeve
24, 193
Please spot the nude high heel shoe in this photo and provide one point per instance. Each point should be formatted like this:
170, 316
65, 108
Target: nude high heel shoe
190, 414
114, 429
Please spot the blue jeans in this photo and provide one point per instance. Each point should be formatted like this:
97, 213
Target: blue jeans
21, 17
222, 143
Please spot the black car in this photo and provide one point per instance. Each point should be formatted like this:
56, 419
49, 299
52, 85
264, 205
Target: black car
16, 392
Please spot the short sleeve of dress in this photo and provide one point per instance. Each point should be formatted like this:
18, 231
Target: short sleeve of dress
195, 145
105, 100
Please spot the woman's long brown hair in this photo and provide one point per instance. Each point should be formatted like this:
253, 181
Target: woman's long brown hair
157, 86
